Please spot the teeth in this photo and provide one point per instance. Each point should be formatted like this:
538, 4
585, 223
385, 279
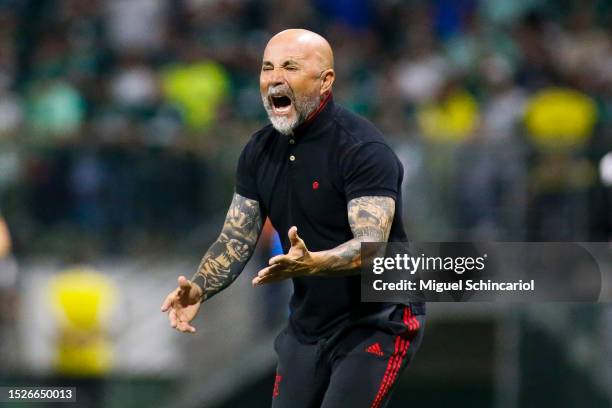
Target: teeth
283, 109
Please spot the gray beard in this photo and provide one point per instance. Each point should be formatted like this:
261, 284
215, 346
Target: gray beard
304, 106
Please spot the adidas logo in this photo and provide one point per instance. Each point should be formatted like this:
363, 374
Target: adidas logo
375, 349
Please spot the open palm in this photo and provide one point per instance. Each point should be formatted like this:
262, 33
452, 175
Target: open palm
182, 305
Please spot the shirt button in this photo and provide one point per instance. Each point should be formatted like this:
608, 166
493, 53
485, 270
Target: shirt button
292, 158
291, 141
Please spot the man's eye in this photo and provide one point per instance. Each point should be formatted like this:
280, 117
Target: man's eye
266, 68
291, 68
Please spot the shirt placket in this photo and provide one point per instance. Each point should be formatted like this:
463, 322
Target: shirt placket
292, 159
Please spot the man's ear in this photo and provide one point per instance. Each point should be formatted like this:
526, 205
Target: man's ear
327, 80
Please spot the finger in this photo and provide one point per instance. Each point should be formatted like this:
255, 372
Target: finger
185, 327
173, 319
259, 276
258, 280
279, 259
168, 302
270, 270
262, 280
264, 275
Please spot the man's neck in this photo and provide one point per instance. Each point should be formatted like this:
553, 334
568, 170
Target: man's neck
316, 112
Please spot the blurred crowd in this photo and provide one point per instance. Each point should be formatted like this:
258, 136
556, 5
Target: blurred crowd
121, 120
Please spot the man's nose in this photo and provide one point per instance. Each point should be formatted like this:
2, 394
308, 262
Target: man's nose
276, 78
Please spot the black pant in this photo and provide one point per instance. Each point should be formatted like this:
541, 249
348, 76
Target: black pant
355, 367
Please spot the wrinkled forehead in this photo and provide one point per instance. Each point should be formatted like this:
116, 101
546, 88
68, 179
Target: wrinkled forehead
278, 52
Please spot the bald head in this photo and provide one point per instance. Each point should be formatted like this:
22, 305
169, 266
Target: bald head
297, 72
306, 42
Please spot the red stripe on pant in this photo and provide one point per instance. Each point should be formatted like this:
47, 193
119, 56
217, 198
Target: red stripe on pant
395, 361
387, 376
275, 391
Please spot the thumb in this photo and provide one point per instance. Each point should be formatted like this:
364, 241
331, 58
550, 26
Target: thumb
296, 241
184, 286
293, 236
188, 291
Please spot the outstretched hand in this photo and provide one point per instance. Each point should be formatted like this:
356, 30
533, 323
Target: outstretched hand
299, 261
182, 305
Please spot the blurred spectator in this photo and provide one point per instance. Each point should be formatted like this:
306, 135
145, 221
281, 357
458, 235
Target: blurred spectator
560, 119
581, 47
560, 123
82, 301
136, 25
55, 110
451, 118
490, 177
134, 85
421, 74
505, 105
535, 36
198, 89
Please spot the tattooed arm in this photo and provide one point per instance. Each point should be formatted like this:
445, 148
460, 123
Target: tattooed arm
221, 264
370, 219
228, 255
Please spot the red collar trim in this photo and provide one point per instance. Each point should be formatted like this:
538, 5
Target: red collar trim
314, 114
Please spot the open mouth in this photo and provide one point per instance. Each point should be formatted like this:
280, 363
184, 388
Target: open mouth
281, 104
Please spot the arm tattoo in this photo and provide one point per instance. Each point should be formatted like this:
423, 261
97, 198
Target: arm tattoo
228, 255
370, 219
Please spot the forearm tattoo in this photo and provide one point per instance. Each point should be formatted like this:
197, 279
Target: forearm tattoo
370, 219
228, 255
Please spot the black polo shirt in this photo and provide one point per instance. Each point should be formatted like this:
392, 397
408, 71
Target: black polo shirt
307, 180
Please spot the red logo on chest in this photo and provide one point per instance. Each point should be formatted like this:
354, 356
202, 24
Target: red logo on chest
315, 185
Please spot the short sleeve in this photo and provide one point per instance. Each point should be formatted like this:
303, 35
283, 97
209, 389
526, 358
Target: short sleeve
372, 170
246, 184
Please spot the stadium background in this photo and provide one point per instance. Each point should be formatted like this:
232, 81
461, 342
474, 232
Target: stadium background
120, 125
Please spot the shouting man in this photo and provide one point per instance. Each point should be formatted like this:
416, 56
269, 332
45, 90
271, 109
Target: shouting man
328, 180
